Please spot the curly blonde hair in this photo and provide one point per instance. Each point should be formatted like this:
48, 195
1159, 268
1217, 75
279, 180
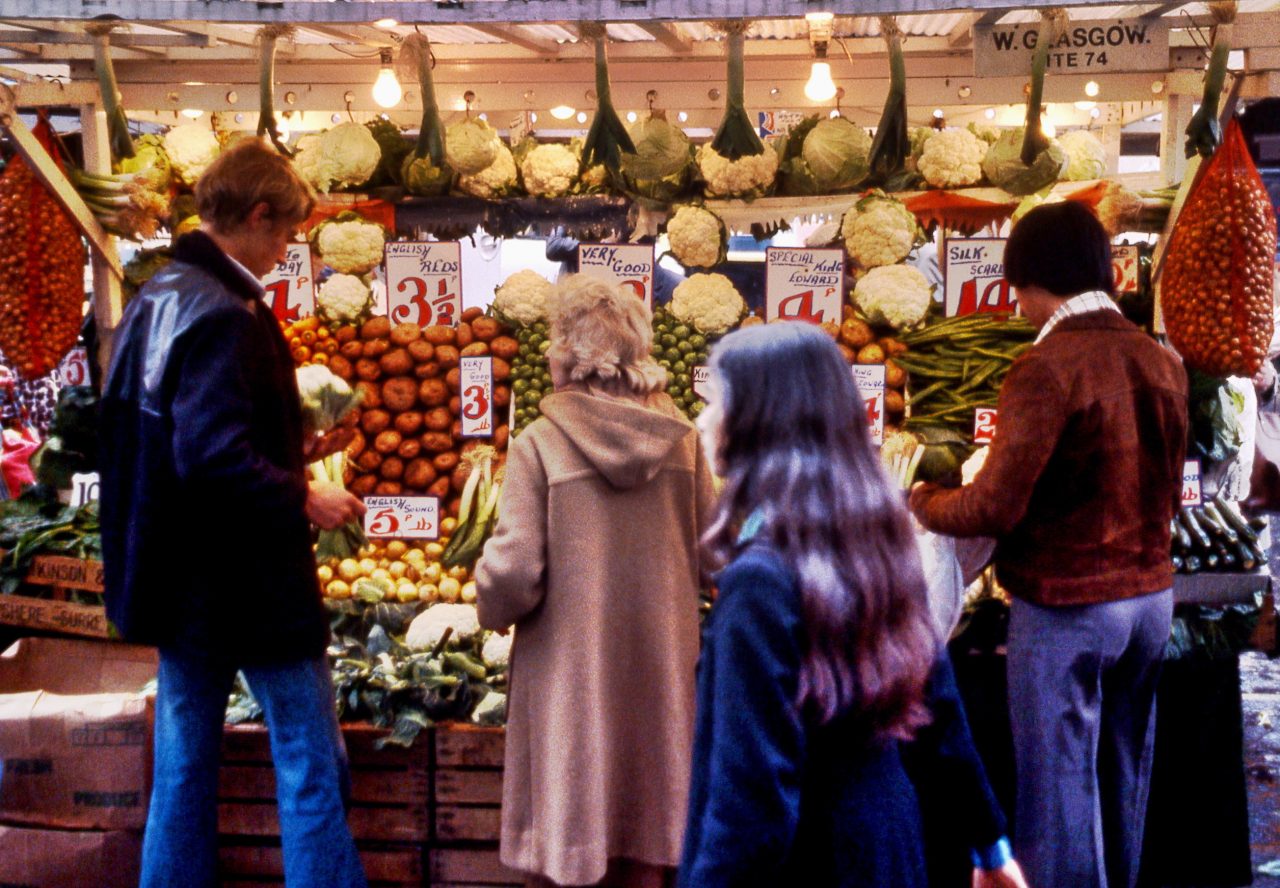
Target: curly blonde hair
605, 336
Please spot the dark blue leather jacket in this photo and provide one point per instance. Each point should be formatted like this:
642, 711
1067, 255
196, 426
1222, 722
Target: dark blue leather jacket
204, 535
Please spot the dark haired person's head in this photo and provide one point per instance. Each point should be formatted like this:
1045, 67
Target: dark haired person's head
250, 201
787, 430
1058, 251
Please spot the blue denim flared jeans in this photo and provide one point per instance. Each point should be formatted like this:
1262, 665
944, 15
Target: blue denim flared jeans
180, 848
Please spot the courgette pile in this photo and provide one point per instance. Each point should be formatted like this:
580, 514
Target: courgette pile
1216, 537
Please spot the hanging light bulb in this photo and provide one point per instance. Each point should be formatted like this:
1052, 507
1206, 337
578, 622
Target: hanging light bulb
1091, 89
563, 112
386, 89
192, 113
820, 87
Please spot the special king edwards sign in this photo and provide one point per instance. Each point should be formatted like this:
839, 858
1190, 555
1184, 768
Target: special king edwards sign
1085, 47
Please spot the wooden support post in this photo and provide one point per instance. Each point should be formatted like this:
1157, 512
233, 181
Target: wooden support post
1173, 158
108, 303
1109, 134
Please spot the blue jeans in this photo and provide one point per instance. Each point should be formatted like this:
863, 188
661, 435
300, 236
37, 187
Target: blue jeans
180, 848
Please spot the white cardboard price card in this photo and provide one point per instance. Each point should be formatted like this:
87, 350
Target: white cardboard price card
629, 266
870, 380
803, 285
424, 282
701, 381
1125, 265
291, 286
984, 425
84, 488
404, 517
476, 393
973, 270
1191, 492
74, 368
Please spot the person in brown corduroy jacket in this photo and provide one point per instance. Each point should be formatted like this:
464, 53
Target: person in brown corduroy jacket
1079, 488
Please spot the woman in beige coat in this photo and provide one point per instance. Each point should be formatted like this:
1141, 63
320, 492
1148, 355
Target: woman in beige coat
595, 562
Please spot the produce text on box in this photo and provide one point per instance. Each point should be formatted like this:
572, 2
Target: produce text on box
1192, 494
803, 285
1125, 260
984, 425
74, 369
403, 517
1084, 47
973, 270
870, 380
476, 393
629, 266
424, 282
291, 287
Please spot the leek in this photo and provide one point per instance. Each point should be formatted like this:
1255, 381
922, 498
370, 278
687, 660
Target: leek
892, 144
416, 51
267, 125
1034, 140
736, 137
1204, 132
117, 124
608, 138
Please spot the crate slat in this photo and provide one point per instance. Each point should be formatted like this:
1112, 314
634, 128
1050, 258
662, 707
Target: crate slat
382, 864
252, 782
455, 824
467, 746
468, 787
249, 743
403, 824
470, 866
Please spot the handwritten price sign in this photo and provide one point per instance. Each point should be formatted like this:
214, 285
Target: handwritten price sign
476, 393
629, 266
74, 369
291, 287
403, 517
803, 285
1125, 265
974, 273
870, 380
1191, 492
424, 282
701, 381
984, 425
84, 488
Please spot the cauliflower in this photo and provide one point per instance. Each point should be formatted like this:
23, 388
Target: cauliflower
986, 132
496, 652
697, 236
897, 295
343, 157
191, 148
708, 302
1086, 158
428, 627
549, 171
749, 176
498, 179
879, 230
471, 146
1030, 202
342, 298
524, 297
491, 710
349, 243
973, 465
952, 159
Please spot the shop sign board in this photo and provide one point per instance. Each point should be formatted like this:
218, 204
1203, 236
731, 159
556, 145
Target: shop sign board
803, 284
1125, 266
870, 380
402, 517
1192, 495
973, 274
984, 425
1085, 47
291, 286
424, 282
74, 368
778, 123
476, 393
629, 266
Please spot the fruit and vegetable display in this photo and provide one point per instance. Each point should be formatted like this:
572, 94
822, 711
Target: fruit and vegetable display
1217, 537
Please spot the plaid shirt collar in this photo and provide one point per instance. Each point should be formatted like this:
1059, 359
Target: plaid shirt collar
1094, 300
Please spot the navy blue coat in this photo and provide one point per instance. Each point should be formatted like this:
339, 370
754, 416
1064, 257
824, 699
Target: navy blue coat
777, 800
204, 535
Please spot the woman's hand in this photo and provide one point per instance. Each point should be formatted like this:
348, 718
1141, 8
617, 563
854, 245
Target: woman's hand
1007, 876
329, 506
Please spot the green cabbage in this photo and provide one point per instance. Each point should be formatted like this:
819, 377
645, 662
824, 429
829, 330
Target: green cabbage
794, 176
419, 176
837, 153
471, 146
1004, 168
394, 147
659, 168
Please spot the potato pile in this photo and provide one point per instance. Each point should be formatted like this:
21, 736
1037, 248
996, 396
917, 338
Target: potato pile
860, 345
408, 438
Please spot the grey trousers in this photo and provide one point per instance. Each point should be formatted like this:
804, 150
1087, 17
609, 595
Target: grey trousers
1082, 691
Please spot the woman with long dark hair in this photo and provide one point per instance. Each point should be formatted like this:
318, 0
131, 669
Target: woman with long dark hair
819, 660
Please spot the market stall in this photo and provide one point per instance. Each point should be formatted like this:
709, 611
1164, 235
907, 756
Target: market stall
789, 161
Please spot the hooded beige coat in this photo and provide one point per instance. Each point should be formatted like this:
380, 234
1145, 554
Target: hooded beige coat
595, 561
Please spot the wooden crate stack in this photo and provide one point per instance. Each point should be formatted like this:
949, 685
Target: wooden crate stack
423, 816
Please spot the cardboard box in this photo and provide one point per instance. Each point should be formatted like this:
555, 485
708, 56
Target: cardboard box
50, 858
75, 734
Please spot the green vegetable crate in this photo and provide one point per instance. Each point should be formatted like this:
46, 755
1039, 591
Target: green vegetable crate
423, 816
66, 579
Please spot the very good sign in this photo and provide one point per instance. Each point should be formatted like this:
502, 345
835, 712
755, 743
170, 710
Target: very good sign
1084, 47
973, 268
629, 266
424, 282
291, 287
803, 284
